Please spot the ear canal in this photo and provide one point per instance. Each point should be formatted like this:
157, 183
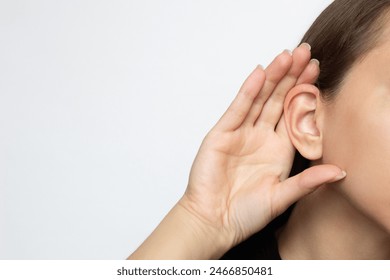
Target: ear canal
301, 120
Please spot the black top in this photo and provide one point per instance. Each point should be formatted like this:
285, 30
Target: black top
260, 246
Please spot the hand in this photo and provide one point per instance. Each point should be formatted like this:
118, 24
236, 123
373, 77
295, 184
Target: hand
239, 180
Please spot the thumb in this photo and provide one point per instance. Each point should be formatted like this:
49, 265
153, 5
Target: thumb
294, 188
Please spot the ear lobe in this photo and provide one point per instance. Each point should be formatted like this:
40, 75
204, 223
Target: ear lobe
300, 112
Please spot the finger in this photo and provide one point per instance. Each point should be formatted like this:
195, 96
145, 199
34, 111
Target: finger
294, 188
310, 74
282, 132
281, 128
273, 108
274, 73
241, 105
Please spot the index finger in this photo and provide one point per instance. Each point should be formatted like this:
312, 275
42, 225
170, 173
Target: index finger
241, 105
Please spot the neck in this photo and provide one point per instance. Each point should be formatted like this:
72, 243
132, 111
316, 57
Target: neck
324, 225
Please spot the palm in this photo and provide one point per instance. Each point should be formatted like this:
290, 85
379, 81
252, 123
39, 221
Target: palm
243, 172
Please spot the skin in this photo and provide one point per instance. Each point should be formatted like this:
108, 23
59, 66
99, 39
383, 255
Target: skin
238, 182
350, 219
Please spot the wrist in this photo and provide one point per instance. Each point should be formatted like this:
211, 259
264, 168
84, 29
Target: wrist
211, 239
182, 234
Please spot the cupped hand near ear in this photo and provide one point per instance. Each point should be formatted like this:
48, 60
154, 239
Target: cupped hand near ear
239, 179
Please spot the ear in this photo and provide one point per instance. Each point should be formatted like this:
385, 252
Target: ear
302, 120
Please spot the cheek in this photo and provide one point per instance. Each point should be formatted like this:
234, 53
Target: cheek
359, 142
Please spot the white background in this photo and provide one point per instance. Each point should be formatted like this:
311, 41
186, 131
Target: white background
103, 105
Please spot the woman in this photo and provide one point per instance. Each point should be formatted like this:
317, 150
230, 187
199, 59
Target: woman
240, 180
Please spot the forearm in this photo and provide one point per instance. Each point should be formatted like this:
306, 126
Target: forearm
180, 235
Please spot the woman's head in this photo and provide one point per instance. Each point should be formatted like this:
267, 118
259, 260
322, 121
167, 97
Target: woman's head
342, 35
345, 119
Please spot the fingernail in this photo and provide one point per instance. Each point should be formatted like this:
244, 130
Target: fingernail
260, 66
306, 45
316, 61
342, 175
288, 51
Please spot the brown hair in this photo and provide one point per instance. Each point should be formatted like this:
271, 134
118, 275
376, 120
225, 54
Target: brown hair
341, 36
